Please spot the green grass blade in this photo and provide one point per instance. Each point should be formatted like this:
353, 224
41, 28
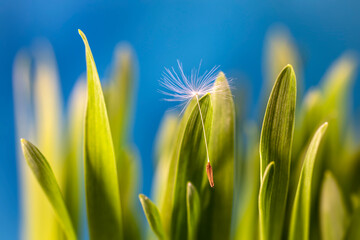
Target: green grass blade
166, 200
101, 182
152, 215
353, 232
247, 215
275, 145
300, 218
47, 180
222, 153
191, 165
334, 217
264, 200
73, 162
193, 210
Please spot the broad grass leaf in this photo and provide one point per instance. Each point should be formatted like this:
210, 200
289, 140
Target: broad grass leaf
334, 216
300, 218
166, 200
217, 215
73, 162
119, 97
191, 164
247, 214
280, 50
101, 181
193, 210
153, 216
46, 178
265, 194
165, 144
353, 232
275, 145
48, 129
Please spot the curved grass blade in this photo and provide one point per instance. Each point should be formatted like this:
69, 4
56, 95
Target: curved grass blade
152, 215
191, 163
46, 179
334, 217
218, 212
193, 210
101, 182
72, 164
264, 200
275, 145
300, 217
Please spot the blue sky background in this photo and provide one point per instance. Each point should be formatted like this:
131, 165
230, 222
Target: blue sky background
229, 34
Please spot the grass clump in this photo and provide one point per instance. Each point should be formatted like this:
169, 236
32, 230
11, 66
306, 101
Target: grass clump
296, 177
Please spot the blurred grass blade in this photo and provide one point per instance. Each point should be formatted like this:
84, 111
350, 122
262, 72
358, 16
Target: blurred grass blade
152, 215
191, 165
120, 94
193, 210
222, 153
165, 144
280, 50
275, 145
247, 215
300, 218
119, 97
334, 217
354, 229
264, 200
101, 182
48, 129
167, 199
46, 179
73, 163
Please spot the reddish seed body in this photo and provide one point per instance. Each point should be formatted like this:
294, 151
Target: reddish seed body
209, 173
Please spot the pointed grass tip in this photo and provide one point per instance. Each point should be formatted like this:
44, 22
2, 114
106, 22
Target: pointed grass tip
209, 173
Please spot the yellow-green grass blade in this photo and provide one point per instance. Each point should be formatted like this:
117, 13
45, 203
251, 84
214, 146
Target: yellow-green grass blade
119, 97
353, 232
152, 215
265, 194
165, 144
217, 214
334, 216
191, 165
300, 218
167, 200
275, 145
46, 178
101, 181
247, 214
279, 50
73, 162
193, 210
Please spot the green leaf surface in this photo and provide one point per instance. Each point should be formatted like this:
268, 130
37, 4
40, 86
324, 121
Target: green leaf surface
193, 210
275, 145
247, 216
101, 181
300, 218
191, 165
73, 162
216, 219
166, 200
46, 178
334, 217
264, 200
152, 215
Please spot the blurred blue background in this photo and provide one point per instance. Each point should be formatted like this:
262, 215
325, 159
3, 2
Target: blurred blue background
229, 34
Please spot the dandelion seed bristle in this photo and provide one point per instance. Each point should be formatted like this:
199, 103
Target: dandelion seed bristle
182, 88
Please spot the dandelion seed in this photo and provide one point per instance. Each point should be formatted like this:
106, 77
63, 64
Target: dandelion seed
181, 88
